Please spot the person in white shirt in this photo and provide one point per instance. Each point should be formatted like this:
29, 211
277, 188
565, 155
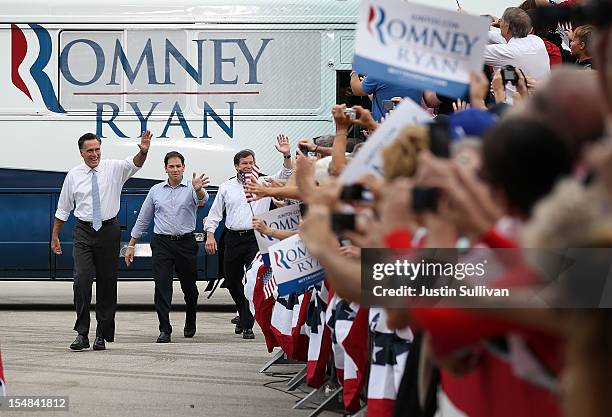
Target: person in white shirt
93, 190
515, 46
240, 244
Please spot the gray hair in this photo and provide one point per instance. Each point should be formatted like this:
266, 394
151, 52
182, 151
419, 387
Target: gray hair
518, 22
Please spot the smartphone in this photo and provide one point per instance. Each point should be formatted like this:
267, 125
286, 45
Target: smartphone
388, 105
509, 75
424, 199
352, 114
439, 139
356, 192
304, 150
342, 222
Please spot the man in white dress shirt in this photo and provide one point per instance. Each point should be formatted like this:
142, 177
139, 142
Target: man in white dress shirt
240, 244
515, 46
93, 190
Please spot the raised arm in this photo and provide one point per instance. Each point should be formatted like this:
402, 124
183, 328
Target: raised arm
144, 145
356, 85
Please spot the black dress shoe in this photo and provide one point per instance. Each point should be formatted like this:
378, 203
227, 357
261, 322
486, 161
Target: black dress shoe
163, 338
99, 344
189, 332
248, 334
238, 329
81, 342
236, 320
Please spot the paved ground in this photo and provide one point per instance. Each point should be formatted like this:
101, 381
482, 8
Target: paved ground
214, 374
130, 295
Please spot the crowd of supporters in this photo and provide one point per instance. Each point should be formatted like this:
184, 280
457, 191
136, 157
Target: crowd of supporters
529, 165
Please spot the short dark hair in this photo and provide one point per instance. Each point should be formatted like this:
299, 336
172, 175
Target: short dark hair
88, 136
173, 154
524, 157
518, 22
243, 154
541, 28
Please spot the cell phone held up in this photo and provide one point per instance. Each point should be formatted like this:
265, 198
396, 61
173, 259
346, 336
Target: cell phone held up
341, 222
356, 193
388, 105
425, 199
509, 75
351, 113
304, 150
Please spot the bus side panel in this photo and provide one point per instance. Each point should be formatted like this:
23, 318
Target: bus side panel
25, 229
131, 202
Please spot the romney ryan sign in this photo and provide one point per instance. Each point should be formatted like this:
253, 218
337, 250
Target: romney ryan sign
419, 46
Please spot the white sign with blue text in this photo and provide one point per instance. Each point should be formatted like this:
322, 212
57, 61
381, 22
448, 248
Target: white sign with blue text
368, 160
284, 218
419, 46
293, 267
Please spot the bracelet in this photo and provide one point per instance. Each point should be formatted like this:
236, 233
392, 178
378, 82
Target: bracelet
287, 156
131, 246
342, 134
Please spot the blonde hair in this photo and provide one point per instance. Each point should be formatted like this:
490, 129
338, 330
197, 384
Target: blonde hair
400, 156
583, 34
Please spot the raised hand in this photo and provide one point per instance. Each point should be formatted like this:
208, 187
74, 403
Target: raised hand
479, 89
260, 226
364, 118
283, 145
342, 120
145, 141
255, 188
307, 143
499, 89
460, 105
199, 182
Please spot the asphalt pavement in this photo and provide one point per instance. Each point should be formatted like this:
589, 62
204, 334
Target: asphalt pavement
213, 374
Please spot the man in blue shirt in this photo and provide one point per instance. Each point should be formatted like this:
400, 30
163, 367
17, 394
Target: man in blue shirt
173, 206
380, 92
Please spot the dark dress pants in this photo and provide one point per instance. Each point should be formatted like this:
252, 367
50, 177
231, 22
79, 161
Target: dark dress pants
96, 254
240, 250
180, 255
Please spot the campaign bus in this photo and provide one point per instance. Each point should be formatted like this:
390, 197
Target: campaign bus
208, 78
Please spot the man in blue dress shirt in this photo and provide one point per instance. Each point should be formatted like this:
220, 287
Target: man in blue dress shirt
382, 91
173, 206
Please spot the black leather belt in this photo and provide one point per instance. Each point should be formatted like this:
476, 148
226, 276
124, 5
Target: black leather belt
241, 232
175, 237
114, 219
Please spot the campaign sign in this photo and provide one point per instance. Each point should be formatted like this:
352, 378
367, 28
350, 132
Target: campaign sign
284, 218
419, 46
293, 267
368, 160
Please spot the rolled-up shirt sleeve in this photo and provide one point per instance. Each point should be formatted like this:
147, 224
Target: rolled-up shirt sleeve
127, 168
283, 174
215, 215
144, 217
196, 199
65, 204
